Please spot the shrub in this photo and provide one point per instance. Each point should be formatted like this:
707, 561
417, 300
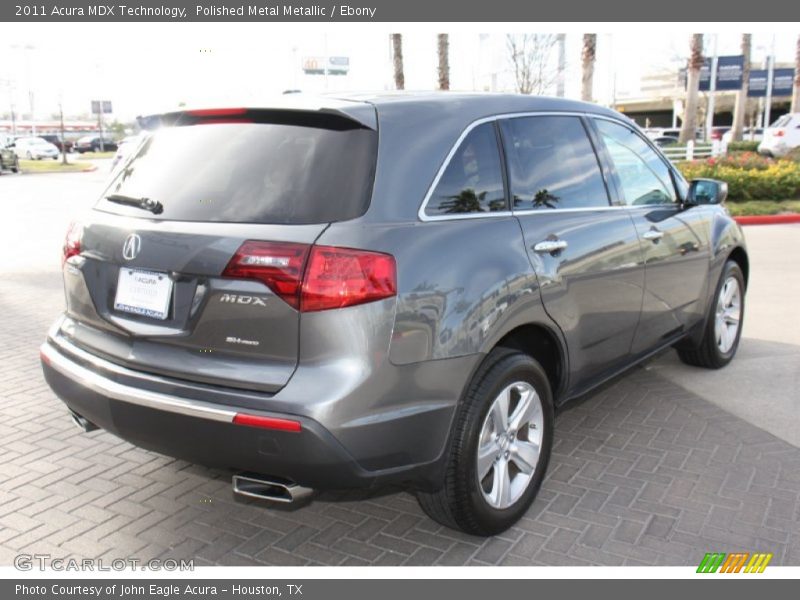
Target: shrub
794, 155
749, 176
743, 147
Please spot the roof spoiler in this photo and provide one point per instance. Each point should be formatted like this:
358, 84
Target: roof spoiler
348, 115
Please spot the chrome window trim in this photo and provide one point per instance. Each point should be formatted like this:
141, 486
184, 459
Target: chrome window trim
505, 213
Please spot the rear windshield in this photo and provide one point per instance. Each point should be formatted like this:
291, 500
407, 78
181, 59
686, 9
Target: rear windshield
782, 122
250, 173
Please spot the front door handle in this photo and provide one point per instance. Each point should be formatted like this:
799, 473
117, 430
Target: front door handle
653, 235
550, 246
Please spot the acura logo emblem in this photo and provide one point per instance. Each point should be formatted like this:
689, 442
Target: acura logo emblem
132, 246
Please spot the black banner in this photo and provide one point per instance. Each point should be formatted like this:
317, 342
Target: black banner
730, 587
393, 11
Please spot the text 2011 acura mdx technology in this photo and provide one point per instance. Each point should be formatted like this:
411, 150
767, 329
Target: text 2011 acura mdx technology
399, 288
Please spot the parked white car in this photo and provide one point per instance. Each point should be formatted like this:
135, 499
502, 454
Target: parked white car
35, 148
782, 136
749, 134
124, 149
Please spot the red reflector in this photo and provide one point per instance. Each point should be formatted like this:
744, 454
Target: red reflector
216, 112
266, 422
339, 277
279, 265
72, 243
44, 358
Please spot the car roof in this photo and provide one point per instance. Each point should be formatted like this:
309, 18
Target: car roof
417, 130
362, 106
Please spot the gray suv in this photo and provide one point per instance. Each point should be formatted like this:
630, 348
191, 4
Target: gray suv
399, 289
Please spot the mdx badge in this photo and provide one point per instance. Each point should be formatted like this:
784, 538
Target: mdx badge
238, 299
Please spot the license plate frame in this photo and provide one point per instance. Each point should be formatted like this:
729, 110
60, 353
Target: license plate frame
144, 293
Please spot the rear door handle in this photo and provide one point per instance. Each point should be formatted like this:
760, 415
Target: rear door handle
653, 235
550, 246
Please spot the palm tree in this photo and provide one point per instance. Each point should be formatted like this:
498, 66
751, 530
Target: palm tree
397, 60
694, 65
444, 61
587, 69
740, 108
796, 94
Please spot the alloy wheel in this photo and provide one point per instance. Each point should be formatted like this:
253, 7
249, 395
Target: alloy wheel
509, 444
728, 315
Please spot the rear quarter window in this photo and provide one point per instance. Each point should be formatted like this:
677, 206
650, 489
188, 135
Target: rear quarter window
472, 181
274, 173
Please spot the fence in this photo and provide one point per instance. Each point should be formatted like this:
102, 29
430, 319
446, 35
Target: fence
692, 151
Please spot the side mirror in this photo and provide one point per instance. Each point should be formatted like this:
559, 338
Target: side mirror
706, 191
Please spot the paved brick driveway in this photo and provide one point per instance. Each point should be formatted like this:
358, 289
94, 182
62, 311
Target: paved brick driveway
643, 472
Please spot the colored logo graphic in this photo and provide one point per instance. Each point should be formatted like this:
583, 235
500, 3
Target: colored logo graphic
743, 562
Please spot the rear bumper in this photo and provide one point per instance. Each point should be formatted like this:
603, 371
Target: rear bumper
204, 432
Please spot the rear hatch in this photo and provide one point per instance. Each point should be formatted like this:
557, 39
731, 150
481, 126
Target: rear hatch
190, 264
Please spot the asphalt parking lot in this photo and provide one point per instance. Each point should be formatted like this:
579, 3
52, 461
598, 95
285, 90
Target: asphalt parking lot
658, 467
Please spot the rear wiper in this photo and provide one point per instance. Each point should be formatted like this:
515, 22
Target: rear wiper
154, 206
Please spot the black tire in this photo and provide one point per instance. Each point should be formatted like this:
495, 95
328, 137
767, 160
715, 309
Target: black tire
707, 353
460, 503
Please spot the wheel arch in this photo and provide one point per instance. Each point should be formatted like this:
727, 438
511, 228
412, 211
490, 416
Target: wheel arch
544, 345
739, 256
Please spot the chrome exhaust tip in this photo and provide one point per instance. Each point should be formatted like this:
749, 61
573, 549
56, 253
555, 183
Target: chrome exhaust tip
270, 489
82, 422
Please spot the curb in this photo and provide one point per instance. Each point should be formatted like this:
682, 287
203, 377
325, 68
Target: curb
88, 169
768, 219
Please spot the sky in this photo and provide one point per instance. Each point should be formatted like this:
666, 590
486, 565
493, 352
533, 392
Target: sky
145, 68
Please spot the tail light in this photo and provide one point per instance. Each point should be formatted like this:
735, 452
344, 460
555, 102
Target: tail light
72, 243
779, 133
339, 277
314, 278
278, 265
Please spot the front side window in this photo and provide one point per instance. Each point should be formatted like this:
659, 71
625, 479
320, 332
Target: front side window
472, 182
643, 176
552, 164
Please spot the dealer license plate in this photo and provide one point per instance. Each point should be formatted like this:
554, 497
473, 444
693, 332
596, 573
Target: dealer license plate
143, 293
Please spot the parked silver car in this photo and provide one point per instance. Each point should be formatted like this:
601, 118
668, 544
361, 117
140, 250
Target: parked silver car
397, 288
35, 148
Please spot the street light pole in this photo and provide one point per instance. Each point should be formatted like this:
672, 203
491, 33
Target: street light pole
27, 49
712, 88
770, 75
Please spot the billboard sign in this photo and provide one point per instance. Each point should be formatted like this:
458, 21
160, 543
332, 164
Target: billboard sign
106, 105
729, 74
317, 65
782, 83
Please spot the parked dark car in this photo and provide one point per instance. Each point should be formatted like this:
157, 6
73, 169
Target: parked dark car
92, 144
665, 141
65, 146
8, 159
334, 309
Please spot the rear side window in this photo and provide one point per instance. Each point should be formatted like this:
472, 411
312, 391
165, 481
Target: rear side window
643, 175
251, 173
472, 182
782, 121
552, 164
